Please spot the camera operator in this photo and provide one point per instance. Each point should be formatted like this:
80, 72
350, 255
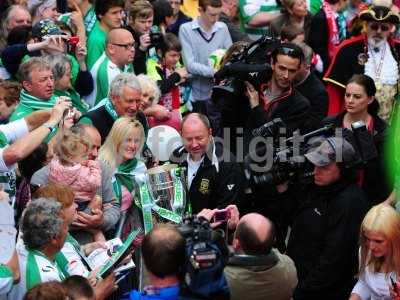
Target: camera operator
277, 98
163, 252
274, 99
326, 219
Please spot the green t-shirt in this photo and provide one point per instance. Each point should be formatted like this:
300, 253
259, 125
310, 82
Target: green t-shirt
96, 44
315, 6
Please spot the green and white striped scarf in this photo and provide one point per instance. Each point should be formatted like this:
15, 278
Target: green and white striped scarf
39, 268
89, 20
127, 174
103, 72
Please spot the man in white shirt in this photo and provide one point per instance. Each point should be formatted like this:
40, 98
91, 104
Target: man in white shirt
20, 138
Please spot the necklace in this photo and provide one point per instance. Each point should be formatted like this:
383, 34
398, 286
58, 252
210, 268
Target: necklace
378, 68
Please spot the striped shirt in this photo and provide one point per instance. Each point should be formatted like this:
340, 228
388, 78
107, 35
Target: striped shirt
250, 8
35, 268
103, 72
8, 134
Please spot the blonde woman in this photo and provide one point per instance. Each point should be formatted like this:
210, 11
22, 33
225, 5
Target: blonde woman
121, 152
379, 254
150, 91
157, 114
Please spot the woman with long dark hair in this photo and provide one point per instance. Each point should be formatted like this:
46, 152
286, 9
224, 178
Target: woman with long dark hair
361, 105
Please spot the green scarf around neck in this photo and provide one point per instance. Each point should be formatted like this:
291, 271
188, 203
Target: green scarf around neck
127, 174
35, 103
110, 109
76, 99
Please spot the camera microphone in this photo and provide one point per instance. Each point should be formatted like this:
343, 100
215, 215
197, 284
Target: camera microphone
269, 128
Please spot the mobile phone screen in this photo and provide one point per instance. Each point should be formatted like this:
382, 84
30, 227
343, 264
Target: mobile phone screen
221, 215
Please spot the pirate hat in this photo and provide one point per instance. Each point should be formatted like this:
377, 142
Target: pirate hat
379, 14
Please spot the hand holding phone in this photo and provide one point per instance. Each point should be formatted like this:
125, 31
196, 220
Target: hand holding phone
222, 215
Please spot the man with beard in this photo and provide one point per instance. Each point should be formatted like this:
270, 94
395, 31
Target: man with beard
374, 54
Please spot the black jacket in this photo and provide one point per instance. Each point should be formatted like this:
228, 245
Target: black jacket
324, 239
376, 184
314, 90
318, 37
211, 188
102, 120
291, 107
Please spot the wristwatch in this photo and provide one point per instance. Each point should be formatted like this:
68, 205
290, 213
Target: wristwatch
49, 126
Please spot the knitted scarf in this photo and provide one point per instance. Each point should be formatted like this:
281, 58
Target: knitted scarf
126, 175
110, 109
34, 103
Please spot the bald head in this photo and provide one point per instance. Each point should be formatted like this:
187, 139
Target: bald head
255, 234
196, 118
118, 36
196, 135
95, 141
120, 47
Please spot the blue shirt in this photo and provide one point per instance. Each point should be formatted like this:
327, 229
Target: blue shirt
153, 293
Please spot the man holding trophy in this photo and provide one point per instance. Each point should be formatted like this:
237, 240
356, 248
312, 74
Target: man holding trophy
213, 177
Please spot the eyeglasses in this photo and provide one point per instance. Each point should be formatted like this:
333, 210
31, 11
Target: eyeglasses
376, 26
126, 46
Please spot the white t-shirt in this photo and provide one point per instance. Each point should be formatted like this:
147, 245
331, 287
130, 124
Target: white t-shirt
374, 286
12, 132
193, 166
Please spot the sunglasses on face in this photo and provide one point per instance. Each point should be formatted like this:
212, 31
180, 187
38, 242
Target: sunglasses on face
376, 26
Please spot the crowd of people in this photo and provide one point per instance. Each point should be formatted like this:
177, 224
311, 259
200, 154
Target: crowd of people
287, 122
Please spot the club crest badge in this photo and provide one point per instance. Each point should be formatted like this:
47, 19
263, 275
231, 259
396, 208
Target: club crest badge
204, 186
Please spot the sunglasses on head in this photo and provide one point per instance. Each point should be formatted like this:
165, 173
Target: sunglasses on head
376, 26
289, 51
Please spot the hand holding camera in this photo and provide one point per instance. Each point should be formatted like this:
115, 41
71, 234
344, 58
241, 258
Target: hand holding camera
54, 42
80, 52
252, 94
57, 113
183, 73
144, 42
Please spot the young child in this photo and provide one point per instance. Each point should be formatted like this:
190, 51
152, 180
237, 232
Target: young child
71, 167
167, 72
